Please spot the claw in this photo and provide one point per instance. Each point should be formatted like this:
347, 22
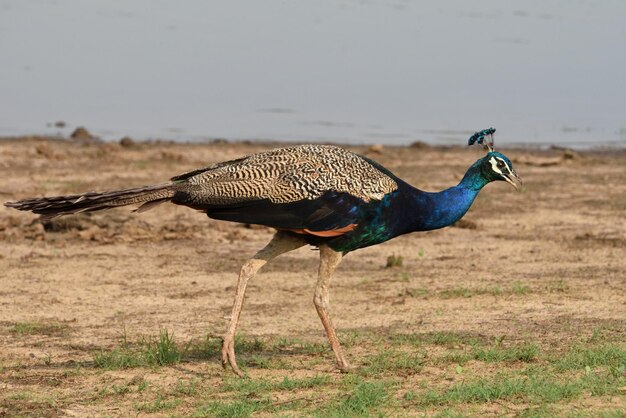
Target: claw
228, 356
346, 368
342, 363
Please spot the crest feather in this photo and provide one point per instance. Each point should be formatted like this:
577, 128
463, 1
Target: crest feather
484, 137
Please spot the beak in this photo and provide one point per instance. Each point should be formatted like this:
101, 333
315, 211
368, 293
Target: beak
513, 179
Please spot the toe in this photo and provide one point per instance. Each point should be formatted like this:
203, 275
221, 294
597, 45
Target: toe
344, 366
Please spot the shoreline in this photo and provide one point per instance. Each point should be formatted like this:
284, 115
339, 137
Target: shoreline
515, 146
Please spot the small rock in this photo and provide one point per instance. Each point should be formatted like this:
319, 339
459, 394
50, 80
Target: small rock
81, 133
376, 149
569, 154
557, 148
419, 145
127, 142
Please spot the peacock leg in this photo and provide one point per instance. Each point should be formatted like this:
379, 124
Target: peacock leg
329, 260
280, 244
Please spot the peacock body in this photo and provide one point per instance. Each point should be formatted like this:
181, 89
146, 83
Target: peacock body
320, 195
325, 193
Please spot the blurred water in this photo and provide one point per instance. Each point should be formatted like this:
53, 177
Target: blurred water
388, 71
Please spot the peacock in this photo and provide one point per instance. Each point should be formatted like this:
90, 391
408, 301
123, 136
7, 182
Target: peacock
319, 195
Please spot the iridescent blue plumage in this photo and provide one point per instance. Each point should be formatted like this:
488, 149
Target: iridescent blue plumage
409, 209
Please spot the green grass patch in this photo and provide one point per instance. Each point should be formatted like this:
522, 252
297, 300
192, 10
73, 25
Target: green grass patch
233, 409
611, 356
247, 387
534, 385
525, 352
610, 413
211, 347
457, 292
364, 400
509, 388
149, 352
392, 361
305, 383
613, 333
157, 405
416, 292
558, 286
164, 350
27, 403
40, 328
243, 397
119, 358
141, 164
394, 261
494, 290
520, 288
517, 288
442, 338
186, 387
444, 374
586, 370
453, 357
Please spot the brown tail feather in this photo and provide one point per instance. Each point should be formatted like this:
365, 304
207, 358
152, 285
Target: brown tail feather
50, 207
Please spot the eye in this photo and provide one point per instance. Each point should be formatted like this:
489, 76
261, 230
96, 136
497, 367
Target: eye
501, 164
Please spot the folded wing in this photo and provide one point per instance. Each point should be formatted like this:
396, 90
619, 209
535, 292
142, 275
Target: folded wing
314, 189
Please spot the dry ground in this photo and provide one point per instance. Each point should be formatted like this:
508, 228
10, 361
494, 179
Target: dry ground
519, 310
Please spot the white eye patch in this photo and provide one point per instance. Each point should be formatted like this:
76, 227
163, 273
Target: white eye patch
494, 165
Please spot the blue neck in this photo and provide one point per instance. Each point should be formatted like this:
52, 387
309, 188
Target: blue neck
438, 210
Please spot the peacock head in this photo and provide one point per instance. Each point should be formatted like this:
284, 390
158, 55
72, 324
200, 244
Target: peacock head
494, 166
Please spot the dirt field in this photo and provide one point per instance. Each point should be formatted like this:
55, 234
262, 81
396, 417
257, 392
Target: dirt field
520, 309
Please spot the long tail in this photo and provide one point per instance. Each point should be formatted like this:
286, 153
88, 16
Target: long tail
50, 207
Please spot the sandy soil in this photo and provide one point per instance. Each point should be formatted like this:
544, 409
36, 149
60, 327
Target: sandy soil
100, 275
